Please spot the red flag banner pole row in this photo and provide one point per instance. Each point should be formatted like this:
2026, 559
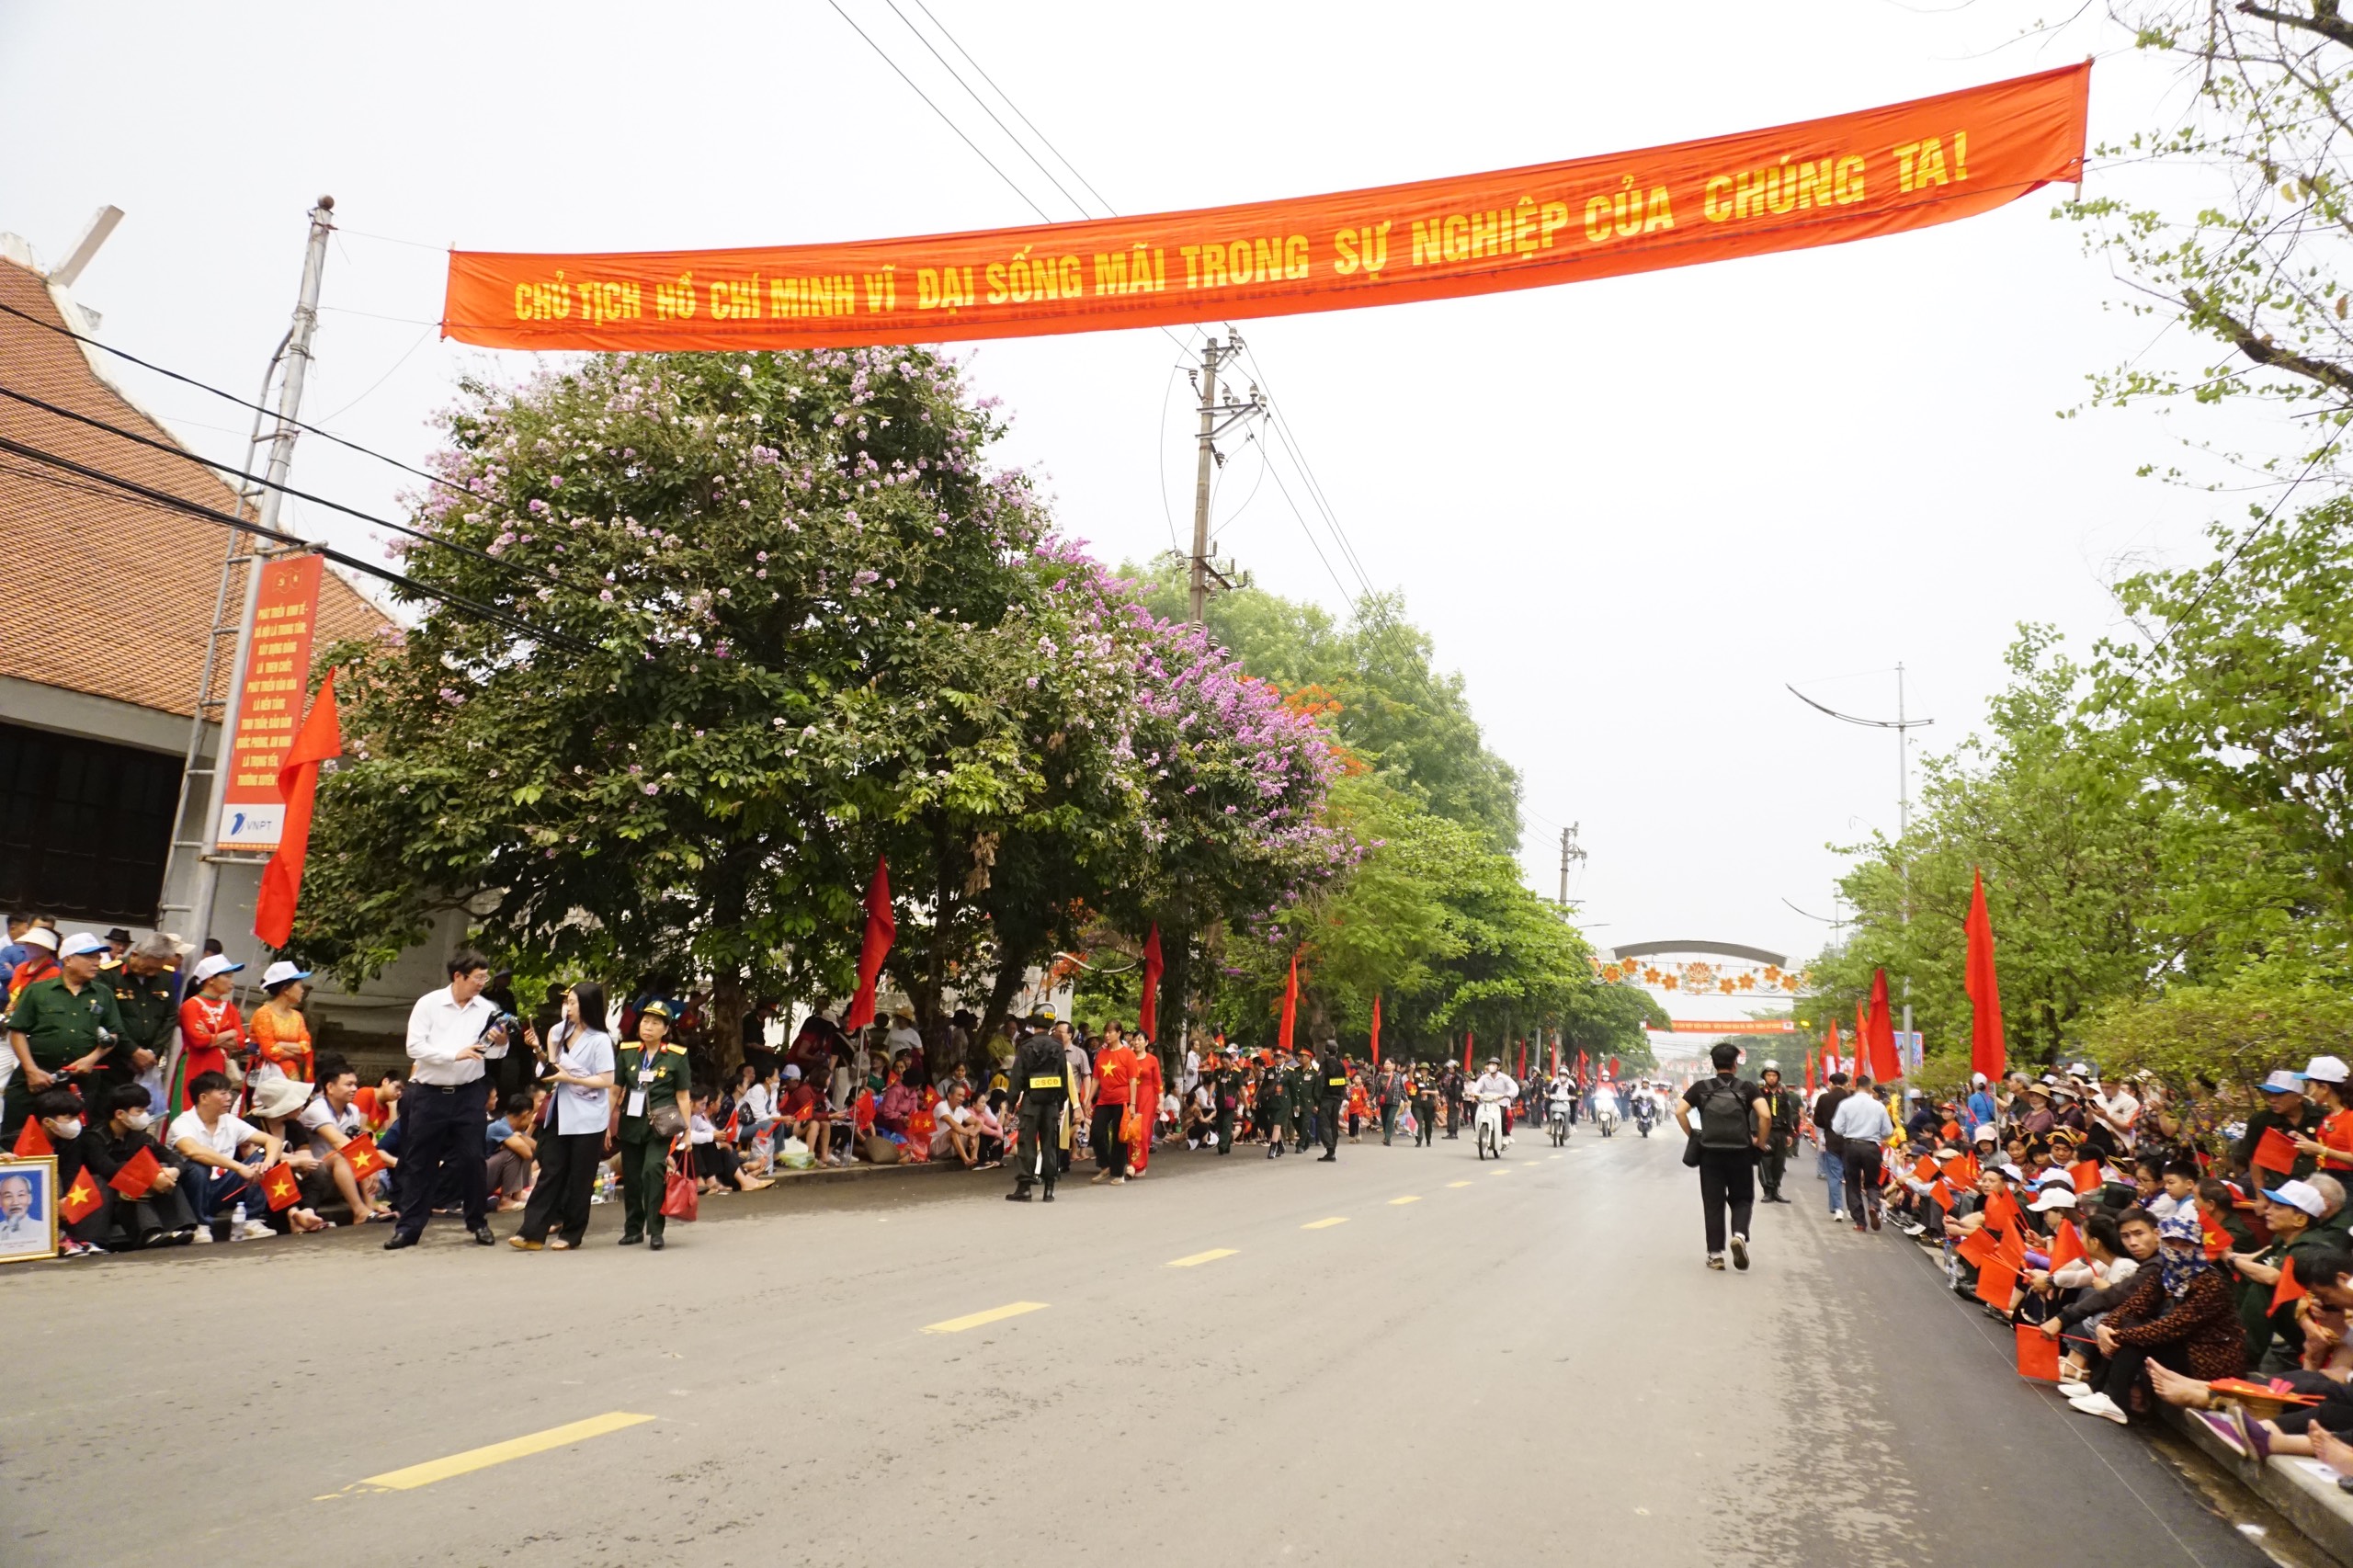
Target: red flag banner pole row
320, 740
1819, 182
881, 931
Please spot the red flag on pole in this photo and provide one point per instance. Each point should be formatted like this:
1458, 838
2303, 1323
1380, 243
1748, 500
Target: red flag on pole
137, 1176
1291, 1004
278, 1185
1584, 1065
361, 1153
1376, 1028
32, 1144
1148, 1011
1615, 1070
1809, 1073
320, 740
2290, 1288
882, 930
1523, 1060
1988, 1054
1556, 1053
1829, 1049
2038, 1354
1886, 1066
1858, 1058
1466, 1050
81, 1199
2066, 1246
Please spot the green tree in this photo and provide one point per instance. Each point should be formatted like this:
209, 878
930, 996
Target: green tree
1398, 712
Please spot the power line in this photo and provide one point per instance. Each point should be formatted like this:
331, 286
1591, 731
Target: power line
942, 113
1024, 118
231, 397
984, 103
1295, 512
165, 500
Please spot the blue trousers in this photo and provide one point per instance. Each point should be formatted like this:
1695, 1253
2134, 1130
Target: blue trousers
1833, 1170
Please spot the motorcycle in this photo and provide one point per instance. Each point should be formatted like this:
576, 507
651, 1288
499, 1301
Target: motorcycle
1605, 1113
1560, 1123
1488, 1129
1644, 1115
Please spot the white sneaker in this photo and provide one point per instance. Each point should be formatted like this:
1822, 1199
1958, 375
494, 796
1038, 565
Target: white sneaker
203, 1236
255, 1231
1740, 1253
1837, 1216
2099, 1404
2071, 1391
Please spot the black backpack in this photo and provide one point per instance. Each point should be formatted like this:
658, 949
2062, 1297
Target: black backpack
1723, 1117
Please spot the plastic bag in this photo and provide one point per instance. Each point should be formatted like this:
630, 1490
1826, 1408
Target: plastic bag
795, 1156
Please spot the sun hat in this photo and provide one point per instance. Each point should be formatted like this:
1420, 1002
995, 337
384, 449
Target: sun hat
280, 1097
2052, 1197
39, 936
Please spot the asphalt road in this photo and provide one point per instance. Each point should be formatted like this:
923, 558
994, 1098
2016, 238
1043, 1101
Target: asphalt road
1407, 1357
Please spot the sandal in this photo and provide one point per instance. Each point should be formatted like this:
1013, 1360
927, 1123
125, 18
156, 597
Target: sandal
557, 1244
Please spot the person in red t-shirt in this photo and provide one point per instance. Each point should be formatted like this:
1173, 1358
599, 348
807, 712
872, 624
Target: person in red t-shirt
1146, 1095
1115, 1077
2325, 1081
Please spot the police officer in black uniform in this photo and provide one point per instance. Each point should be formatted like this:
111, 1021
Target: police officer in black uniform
1332, 1088
1040, 1089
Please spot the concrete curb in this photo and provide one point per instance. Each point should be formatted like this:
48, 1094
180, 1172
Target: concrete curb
2305, 1498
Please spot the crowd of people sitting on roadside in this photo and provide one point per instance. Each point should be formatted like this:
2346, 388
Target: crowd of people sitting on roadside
2148, 1247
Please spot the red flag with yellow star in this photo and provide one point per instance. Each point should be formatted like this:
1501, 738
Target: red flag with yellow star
278, 1185
361, 1153
81, 1199
32, 1144
137, 1176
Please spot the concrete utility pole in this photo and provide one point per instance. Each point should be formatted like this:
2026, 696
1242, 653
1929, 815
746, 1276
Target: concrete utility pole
269, 504
1570, 850
1201, 571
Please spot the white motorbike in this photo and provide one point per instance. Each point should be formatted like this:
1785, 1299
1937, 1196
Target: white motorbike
1605, 1113
1487, 1129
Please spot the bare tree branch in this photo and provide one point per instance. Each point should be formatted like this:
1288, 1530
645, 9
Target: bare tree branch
2324, 21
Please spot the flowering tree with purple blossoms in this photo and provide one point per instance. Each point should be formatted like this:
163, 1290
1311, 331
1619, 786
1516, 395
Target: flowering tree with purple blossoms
785, 621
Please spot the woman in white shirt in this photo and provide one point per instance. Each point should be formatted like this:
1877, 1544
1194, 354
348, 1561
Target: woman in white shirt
571, 1124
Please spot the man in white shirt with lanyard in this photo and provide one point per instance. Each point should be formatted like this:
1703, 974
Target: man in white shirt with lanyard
443, 1112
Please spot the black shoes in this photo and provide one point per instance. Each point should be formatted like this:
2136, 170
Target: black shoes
398, 1239
1049, 1192
1019, 1195
483, 1238
629, 1241
1327, 1159
654, 1244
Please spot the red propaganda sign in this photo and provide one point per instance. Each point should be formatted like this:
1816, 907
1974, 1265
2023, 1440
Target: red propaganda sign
1731, 1026
278, 674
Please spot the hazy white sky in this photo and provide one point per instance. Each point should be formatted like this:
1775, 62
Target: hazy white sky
1629, 510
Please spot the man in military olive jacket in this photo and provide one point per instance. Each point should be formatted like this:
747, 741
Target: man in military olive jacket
649, 1075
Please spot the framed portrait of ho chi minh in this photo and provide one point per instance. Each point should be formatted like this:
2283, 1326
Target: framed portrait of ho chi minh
27, 1210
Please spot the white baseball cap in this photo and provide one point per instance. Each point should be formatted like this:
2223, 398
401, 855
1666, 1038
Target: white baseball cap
82, 943
2283, 1082
2328, 1069
281, 972
217, 963
2052, 1197
2300, 1195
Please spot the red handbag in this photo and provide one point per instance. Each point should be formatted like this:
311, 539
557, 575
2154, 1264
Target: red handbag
679, 1194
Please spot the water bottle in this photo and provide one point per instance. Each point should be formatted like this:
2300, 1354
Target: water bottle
238, 1224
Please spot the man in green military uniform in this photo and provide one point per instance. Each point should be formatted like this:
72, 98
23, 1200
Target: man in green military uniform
143, 994
650, 1076
1274, 1104
58, 1027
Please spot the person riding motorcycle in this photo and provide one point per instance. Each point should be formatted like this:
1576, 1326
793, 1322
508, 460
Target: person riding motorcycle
1560, 1093
1605, 1106
1494, 1091
1645, 1109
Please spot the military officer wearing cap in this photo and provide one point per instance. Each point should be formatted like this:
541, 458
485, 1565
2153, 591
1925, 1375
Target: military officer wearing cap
1781, 1137
60, 1025
652, 1079
1332, 1090
1040, 1080
142, 984
1225, 1091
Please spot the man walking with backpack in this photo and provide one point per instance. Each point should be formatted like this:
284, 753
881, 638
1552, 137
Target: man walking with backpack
1734, 1125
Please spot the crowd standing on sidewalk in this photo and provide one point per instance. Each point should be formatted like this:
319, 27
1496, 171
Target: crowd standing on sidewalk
200, 1115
